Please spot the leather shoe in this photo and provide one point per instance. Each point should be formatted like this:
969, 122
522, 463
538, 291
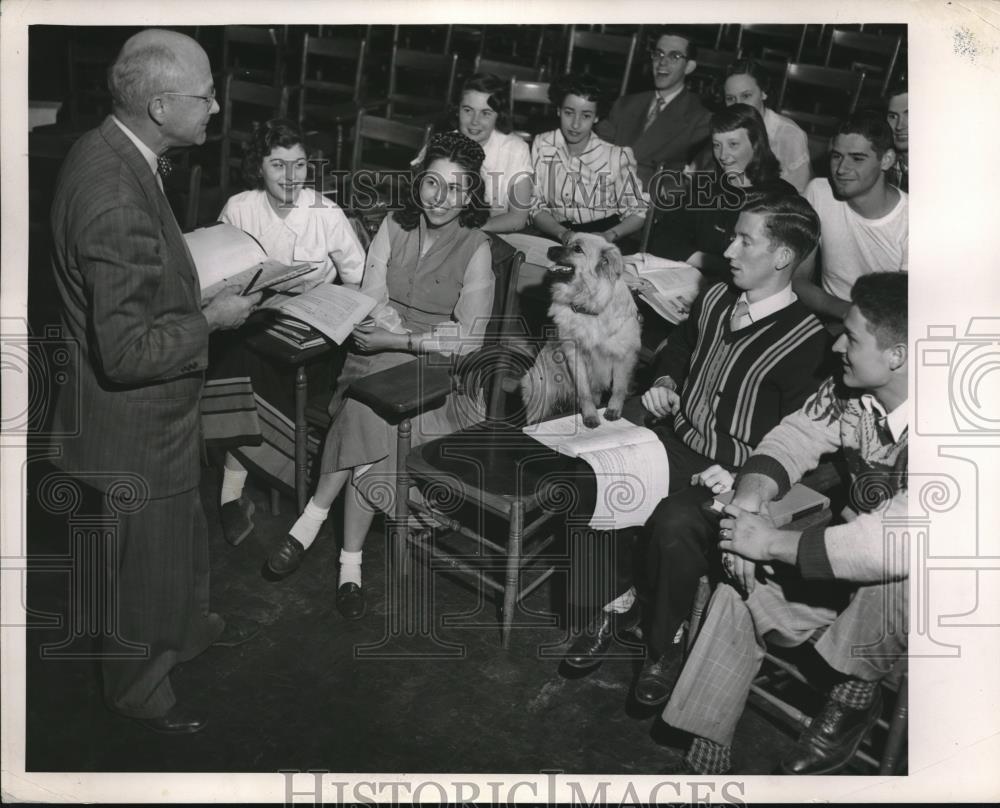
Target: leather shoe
593, 642
827, 745
237, 523
175, 722
351, 601
657, 678
286, 557
238, 630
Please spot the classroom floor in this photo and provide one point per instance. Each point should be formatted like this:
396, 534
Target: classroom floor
302, 695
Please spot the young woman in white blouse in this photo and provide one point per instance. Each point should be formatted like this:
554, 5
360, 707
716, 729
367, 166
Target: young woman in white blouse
294, 224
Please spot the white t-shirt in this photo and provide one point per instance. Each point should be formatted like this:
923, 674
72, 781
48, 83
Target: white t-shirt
851, 245
790, 145
316, 231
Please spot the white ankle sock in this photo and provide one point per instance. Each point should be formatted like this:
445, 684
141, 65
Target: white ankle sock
622, 603
232, 484
308, 524
350, 568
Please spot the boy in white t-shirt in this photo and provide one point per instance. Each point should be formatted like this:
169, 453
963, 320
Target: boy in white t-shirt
864, 219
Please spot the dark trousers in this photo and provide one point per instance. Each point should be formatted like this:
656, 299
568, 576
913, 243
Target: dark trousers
156, 604
604, 563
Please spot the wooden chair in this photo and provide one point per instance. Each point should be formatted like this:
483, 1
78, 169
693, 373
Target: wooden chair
602, 46
243, 105
253, 53
380, 145
486, 484
465, 39
776, 40
331, 90
841, 88
880, 54
433, 73
535, 93
709, 75
508, 70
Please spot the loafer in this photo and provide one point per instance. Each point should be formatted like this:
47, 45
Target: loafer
657, 678
238, 630
175, 722
286, 557
351, 601
237, 523
590, 646
829, 743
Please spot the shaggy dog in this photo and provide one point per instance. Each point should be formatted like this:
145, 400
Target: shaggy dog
598, 334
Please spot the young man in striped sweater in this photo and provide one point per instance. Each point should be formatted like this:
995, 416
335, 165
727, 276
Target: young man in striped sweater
850, 578
748, 355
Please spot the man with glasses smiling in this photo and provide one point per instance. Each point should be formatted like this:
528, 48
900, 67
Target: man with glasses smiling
131, 301
667, 125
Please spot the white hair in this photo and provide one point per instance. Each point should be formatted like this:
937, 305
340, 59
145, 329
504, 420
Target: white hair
140, 72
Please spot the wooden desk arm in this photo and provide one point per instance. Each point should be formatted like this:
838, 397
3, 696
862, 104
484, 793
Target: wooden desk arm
407, 390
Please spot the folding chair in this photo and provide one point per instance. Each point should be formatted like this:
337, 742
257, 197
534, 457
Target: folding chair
253, 53
599, 47
508, 70
841, 89
432, 73
884, 48
772, 40
536, 93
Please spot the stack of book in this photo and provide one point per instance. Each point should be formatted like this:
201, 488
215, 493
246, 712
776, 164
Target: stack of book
295, 333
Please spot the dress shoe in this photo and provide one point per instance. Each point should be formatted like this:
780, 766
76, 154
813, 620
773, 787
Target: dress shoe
237, 523
657, 678
351, 601
827, 745
175, 722
286, 557
238, 630
590, 646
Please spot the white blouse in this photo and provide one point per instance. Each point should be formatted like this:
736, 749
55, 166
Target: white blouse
315, 231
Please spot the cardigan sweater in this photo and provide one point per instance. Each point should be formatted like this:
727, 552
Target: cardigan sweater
737, 385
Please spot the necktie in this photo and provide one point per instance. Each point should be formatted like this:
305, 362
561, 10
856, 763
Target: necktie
741, 315
882, 430
164, 166
654, 109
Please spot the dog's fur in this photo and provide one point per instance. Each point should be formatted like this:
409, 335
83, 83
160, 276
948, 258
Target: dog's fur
598, 327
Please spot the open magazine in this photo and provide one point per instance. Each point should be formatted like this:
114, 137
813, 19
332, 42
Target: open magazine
669, 287
629, 462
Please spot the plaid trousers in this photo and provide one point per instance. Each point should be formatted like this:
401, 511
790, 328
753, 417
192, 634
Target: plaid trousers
866, 635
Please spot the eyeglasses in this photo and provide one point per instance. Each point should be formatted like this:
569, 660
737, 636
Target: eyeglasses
208, 99
660, 56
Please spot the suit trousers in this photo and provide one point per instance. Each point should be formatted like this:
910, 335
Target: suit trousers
865, 638
159, 572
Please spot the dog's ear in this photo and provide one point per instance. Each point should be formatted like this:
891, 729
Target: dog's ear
611, 261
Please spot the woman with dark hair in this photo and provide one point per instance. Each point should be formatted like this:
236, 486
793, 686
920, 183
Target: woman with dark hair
484, 116
429, 267
744, 167
583, 183
746, 83
245, 404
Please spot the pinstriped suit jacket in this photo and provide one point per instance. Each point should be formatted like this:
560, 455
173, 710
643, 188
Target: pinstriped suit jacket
131, 301
674, 137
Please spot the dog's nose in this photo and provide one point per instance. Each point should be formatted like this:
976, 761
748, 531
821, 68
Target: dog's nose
554, 253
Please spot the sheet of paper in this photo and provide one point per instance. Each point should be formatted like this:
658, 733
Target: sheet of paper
631, 481
570, 437
221, 251
333, 310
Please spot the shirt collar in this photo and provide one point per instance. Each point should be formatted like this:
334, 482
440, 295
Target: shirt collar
776, 302
669, 96
897, 420
147, 153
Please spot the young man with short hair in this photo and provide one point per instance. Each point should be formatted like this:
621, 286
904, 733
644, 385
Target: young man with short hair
864, 218
849, 578
898, 117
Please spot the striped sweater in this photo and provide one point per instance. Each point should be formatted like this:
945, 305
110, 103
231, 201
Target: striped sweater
735, 386
871, 547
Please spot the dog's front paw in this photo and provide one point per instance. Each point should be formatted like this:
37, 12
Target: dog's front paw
592, 421
612, 414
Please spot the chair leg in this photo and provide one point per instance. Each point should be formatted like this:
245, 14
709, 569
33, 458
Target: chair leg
897, 729
400, 547
513, 572
301, 429
275, 502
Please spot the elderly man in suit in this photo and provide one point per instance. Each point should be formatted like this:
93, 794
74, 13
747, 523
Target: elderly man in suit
131, 300
667, 125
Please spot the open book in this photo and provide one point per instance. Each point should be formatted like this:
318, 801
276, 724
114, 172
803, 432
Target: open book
225, 255
330, 309
669, 287
629, 462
